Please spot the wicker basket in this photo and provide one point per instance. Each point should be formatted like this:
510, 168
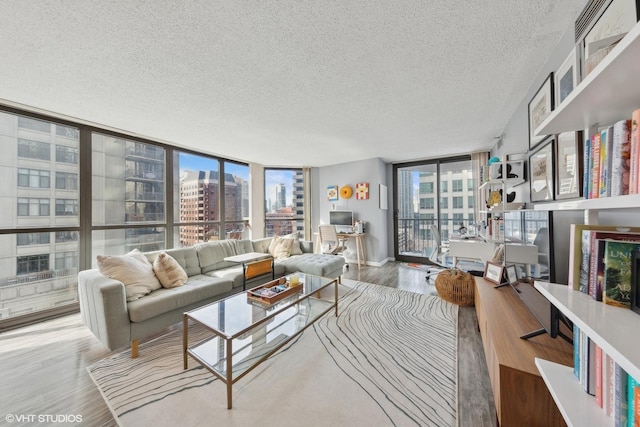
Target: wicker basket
456, 286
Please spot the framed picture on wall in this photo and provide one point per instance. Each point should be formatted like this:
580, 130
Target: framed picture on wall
541, 172
540, 107
568, 75
568, 165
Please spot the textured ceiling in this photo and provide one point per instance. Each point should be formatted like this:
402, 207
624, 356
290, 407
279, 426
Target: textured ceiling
284, 83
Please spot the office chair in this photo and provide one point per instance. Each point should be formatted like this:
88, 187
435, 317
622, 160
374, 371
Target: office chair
330, 243
436, 255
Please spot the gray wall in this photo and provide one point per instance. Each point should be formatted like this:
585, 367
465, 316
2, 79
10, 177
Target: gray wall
374, 172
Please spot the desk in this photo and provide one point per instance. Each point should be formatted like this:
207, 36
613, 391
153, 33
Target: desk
361, 255
360, 252
480, 249
254, 264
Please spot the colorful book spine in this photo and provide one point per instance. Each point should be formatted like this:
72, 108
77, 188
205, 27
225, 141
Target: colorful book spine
606, 148
596, 270
598, 375
620, 408
609, 385
631, 407
635, 152
595, 166
617, 278
621, 158
576, 351
586, 181
585, 262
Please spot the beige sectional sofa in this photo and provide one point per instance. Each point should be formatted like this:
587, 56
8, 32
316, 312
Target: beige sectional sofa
118, 322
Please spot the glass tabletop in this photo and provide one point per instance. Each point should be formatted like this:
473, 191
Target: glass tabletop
237, 313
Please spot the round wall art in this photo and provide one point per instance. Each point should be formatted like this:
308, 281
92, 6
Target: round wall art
346, 192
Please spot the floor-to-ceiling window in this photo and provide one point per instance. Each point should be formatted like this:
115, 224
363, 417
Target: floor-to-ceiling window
284, 201
431, 197
74, 191
39, 222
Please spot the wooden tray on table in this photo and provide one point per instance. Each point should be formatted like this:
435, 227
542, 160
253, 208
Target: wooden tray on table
270, 292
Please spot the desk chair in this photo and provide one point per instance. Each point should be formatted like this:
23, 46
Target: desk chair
330, 243
435, 255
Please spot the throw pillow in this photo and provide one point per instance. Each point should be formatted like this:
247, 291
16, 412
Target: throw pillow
169, 271
295, 246
280, 247
133, 269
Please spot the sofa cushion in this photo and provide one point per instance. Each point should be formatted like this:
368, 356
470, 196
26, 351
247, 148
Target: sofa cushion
280, 247
261, 245
244, 247
186, 257
198, 288
316, 264
295, 246
168, 271
133, 269
212, 254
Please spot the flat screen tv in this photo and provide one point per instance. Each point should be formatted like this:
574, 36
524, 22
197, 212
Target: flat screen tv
341, 219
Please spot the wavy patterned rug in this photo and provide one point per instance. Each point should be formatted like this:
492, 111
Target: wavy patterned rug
390, 358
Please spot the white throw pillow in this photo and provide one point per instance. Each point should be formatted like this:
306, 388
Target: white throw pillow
169, 271
133, 269
280, 247
295, 246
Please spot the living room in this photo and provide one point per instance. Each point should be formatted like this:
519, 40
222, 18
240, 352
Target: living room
342, 94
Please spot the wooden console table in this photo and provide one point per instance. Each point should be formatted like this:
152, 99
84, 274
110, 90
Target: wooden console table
521, 396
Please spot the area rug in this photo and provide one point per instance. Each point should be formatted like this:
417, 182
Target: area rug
388, 359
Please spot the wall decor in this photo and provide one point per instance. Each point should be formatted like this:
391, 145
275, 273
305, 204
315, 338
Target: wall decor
346, 192
541, 172
568, 75
607, 25
383, 197
332, 193
511, 274
493, 272
362, 191
568, 165
539, 108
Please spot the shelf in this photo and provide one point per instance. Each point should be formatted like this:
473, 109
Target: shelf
578, 408
506, 207
608, 94
615, 202
612, 328
511, 182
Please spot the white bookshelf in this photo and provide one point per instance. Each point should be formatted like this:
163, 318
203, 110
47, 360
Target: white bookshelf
577, 407
615, 202
609, 93
612, 328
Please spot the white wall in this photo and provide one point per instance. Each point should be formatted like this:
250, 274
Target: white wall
373, 171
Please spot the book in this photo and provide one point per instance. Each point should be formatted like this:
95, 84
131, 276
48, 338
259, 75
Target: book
617, 276
576, 248
576, 351
598, 374
595, 166
608, 382
631, 413
620, 158
635, 153
591, 367
606, 148
586, 177
636, 406
596, 272
620, 406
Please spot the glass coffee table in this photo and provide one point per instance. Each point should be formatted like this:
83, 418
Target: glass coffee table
246, 332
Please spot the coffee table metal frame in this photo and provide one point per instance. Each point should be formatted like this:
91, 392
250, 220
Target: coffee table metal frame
294, 314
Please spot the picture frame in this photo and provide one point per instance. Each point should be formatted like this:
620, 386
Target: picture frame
568, 75
332, 193
493, 272
541, 174
606, 26
539, 108
569, 165
511, 274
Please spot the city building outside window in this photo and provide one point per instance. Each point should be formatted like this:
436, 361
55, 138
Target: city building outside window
284, 201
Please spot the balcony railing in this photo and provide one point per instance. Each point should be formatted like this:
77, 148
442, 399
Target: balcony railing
39, 276
416, 239
144, 195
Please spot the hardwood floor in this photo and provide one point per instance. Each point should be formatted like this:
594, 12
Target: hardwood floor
44, 365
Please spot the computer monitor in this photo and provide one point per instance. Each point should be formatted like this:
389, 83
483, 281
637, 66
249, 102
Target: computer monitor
343, 220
